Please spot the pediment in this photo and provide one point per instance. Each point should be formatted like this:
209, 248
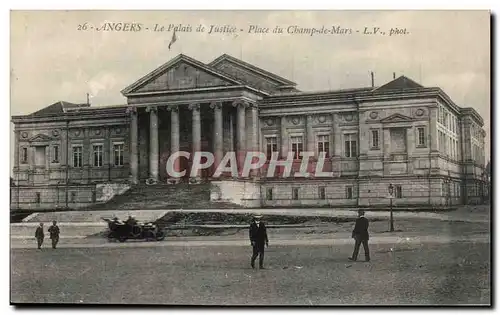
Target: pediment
395, 118
180, 73
40, 138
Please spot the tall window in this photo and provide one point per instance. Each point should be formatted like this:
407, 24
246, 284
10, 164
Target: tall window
271, 146
323, 144
38, 198
399, 191
24, 155
118, 154
55, 154
297, 147
295, 193
375, 139
348, 192
97, 155
269, 194
421, 136
77, 156
351, 145
322, 194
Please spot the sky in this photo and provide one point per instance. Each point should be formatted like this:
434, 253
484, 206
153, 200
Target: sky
52, 60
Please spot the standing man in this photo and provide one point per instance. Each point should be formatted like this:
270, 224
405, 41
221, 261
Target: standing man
360, 235
54, 234
39, 235
258, 237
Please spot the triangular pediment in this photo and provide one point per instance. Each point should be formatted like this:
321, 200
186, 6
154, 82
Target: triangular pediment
180, 73
401, 83
396, 118
40, 138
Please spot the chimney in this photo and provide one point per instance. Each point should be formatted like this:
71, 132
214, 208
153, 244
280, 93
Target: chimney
88, 99
373, 79
394, 75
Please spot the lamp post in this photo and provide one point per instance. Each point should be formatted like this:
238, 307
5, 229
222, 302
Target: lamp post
391, 190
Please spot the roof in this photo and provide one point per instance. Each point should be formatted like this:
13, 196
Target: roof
59, 107
401, 83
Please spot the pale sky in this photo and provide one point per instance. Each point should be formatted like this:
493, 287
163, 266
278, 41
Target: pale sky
52, 61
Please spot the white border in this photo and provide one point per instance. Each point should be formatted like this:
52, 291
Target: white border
186, 4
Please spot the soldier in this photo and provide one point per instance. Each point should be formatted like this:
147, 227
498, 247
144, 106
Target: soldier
361, 236
39, 235
258, 237
54, 234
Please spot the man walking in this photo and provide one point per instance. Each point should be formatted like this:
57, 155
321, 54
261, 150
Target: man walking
258, 237
360, 235
54, 234
39, 235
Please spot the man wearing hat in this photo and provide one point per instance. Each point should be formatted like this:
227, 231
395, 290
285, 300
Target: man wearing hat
258, 237
360, 235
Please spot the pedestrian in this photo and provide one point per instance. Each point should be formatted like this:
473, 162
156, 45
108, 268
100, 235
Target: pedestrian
258, 238
54, 234
39, 235
361, 236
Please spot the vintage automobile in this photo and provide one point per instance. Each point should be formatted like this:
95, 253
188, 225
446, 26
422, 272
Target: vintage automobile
123, 231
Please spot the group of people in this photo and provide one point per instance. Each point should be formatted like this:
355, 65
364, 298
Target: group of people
259, 239
54, 232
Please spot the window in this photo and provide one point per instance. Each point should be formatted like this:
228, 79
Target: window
24, 155
297, 147
38, 198
55, 154
399, 191
421, 136
350, 145
94, 196
73, 196
77, 156
271, 146
269, 194
118, 154
322, 194
348, 192
295, 193
97, 155
375, 139
323, 144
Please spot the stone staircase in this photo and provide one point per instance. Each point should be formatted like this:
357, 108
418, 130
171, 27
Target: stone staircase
165, 197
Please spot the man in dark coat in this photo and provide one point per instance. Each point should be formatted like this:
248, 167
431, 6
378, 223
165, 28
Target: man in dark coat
39, 235
54, 234
258, 238
361, 236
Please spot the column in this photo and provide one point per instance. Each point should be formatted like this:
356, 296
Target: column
310, 133
433, 133
240, 132
387, 143
174, 137
254, 145
218, 133
17, 150
284, 138
153, 143
410, 145
134, 159
196, 131
337, 146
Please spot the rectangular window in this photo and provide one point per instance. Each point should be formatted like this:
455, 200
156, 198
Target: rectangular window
421, 136
375, 139
295, 193
77, 156
55, 154
351, 145
271, 146
97, 155
399, 191
348, 192
118, 154
73, 196
297, 147
38, 198
323, 144
322, 194
24, 155
94, 196
269, 194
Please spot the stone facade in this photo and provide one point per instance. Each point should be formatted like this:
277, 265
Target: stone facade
401, 133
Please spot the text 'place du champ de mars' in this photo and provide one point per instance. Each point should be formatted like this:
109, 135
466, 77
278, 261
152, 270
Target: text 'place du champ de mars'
186, 118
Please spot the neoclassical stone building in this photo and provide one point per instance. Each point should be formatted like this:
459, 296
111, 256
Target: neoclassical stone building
401, 133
